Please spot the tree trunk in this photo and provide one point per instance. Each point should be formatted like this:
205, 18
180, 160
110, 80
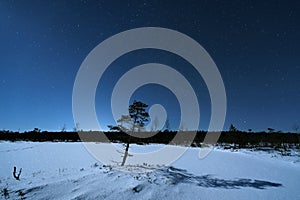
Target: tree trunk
125, 154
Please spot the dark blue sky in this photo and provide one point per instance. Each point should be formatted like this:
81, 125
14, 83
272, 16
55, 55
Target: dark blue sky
255, 45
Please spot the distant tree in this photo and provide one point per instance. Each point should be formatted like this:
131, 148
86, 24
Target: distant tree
134, 122
271, 130
249, 130
181, 127
113, 128
167, 125
232, 128
295, 128
155, 124
63, 128
76, 128
36, 130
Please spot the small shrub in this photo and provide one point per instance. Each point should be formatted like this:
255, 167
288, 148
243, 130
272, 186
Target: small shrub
5, 193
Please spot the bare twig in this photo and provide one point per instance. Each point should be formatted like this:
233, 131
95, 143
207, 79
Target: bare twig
17, 177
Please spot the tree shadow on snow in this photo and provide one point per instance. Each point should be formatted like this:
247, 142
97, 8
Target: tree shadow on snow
177, 176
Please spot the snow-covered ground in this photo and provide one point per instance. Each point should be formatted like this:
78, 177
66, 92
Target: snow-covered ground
68, 171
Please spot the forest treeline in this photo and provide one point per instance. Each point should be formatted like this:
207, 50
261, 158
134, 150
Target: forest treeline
243, 139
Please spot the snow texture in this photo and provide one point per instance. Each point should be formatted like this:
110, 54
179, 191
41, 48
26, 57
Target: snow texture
68, 171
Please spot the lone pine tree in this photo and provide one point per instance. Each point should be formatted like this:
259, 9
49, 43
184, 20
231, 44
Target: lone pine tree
134, 122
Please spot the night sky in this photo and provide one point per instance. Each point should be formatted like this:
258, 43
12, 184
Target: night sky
255, 45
